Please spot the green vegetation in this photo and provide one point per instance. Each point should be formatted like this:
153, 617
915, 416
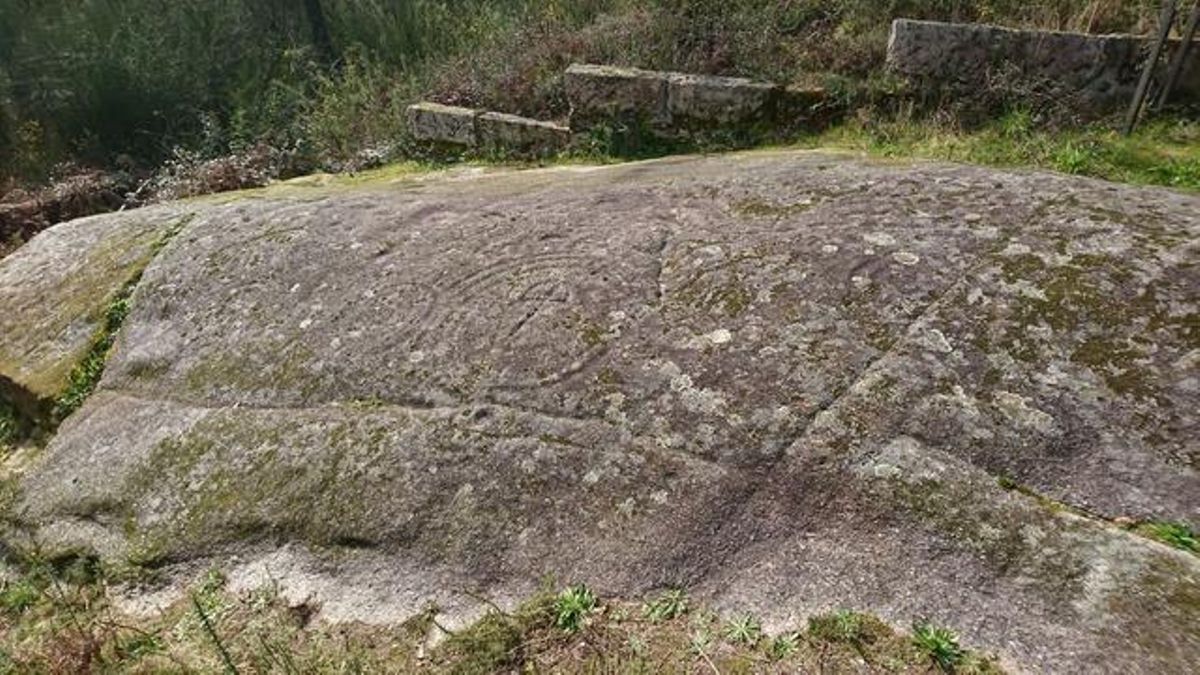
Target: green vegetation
670, 604
744, 630
1161, 152
572, 607
131, 84
57, 616
940, 644
86, 374
783, 646
1180, 535
840, 626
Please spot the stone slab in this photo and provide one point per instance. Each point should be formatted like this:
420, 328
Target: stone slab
1099, 71
512, 132
442, 123
600, 94
710, 100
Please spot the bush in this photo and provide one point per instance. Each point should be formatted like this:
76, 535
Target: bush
93, 80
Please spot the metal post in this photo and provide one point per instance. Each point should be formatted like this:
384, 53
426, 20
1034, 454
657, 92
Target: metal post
1180, 57
1139, 96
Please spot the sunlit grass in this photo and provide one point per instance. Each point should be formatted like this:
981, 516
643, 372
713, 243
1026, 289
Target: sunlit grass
1162, 152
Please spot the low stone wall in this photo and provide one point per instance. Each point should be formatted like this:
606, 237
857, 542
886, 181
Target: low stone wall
1097, 71
664, 103
663, 100
437, 123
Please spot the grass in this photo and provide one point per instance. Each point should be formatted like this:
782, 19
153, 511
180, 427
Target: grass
1161, 152
840, 626
1179, 534
670, 604
939, 644
572, 607
58, 617
743, 630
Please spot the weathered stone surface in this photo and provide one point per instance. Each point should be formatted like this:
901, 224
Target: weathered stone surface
668, 102
442, 123
501, 130
1096, 70
600, 94
788, 381
706, 99
53, 292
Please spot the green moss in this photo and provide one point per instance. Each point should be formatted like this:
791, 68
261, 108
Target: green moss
86, 374
734, 298
1116, 362
268, 365
1180, 535
592, 334
1018, 267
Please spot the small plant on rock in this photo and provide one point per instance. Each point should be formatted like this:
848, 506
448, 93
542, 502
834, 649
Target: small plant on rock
939, 644
784, 646
699, 641
572, 606
744, 629
840, 626
670, 604
1179, 535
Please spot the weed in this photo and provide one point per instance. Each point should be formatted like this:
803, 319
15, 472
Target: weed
140, 645
784, 646
670, 604
19, 595
572, 607
491, 645
840, 626
744, 629
1180, 535
939, 644
699, 641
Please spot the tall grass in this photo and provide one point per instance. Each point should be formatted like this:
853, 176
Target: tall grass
127, 81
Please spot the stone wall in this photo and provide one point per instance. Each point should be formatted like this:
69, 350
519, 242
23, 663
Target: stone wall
660, 102
452, 125
677, 101
1098, 71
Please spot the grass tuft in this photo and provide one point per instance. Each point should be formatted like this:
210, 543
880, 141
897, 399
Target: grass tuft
572, 607
840, 626
783, 646
744, 630
670, 604
1179, 534
939, 644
